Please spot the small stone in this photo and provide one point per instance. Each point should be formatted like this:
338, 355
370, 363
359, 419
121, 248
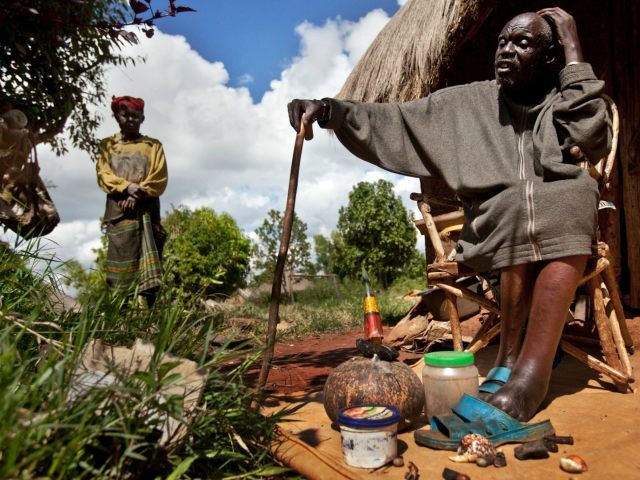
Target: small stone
448, 474
398, 462
500, 460
531, 450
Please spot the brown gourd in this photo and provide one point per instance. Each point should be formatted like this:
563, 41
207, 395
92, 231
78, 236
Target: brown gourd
361, 381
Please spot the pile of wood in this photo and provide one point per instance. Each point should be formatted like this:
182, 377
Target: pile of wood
427, 323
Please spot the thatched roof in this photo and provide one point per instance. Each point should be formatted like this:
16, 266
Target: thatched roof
407, 58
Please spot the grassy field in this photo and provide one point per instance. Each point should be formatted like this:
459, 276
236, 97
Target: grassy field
318, 308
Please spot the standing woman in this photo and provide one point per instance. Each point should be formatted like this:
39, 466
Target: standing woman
132, 171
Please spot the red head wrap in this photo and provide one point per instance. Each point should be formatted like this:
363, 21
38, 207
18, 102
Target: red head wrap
118, 103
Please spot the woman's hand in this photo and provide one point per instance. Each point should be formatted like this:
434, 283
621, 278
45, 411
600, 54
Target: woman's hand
567, 33
136, 191
128, 204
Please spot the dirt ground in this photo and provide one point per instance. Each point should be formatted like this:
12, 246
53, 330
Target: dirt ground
304, 363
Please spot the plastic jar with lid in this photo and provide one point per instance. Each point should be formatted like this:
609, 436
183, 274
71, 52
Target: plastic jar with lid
369, 434
446, 377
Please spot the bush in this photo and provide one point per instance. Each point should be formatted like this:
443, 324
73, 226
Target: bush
206, 252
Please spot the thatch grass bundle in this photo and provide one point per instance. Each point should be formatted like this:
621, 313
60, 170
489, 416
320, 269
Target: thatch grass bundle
408, 57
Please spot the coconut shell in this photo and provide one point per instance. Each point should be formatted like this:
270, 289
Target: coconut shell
361, 381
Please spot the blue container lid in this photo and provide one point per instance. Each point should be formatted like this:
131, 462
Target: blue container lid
368, 416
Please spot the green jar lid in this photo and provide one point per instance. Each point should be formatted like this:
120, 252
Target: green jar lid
449, 359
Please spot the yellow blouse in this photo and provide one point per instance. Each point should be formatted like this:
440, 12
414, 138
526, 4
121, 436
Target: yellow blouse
140, 161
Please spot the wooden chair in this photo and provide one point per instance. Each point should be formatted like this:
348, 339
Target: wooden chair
599, 281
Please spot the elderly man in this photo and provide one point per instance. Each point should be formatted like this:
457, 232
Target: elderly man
504, 147
132, 171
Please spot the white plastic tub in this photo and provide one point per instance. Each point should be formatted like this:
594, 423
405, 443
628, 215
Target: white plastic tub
369, 434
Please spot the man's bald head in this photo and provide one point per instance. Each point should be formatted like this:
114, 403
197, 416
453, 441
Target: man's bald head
547, 33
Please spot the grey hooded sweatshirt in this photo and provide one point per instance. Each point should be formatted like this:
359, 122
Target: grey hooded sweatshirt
524, 198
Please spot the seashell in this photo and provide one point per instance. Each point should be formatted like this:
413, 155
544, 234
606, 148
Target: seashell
573, 464
476, 444
464, 458
472, 447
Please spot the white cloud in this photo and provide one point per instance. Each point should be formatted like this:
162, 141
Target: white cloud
225, 151
245, 79
77, 239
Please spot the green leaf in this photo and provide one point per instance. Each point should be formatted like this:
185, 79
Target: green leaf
181, 468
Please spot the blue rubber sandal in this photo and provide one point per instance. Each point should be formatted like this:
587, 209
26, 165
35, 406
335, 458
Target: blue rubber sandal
472, 415
495, 379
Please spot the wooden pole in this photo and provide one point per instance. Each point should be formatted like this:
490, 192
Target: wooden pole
469, 295
434, 236
619, 378
600, 265
620, 346
454, 320
601, 318
276, 288
609, 278
484, 340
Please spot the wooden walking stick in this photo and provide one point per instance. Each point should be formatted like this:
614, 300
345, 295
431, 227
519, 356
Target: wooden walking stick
276, 288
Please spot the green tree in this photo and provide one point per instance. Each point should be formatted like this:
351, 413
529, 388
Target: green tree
325, 252
206, 252
52, 57
376, 231
266, 250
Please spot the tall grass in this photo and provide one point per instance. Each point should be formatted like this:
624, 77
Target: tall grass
113, 431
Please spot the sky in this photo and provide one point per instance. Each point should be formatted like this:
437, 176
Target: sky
216, 84
255, 39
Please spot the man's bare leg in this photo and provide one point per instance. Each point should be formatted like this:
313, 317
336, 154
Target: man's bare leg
516, 286
552, 295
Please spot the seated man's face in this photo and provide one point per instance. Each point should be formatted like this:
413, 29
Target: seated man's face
129, 120
523, 50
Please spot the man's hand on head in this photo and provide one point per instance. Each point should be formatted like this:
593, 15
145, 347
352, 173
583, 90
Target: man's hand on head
307, 112
567, 33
